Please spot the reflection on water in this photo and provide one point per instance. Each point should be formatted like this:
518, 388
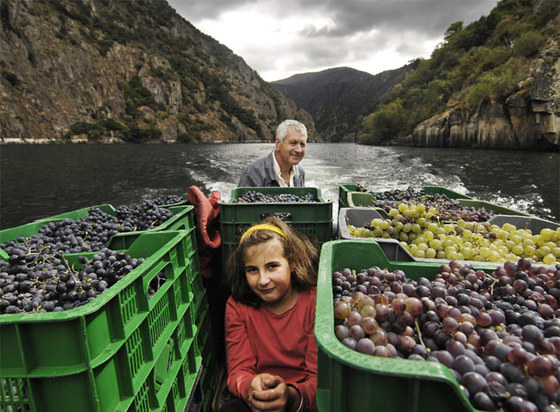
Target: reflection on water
41, 180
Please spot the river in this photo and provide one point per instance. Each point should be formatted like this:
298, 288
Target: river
39, 181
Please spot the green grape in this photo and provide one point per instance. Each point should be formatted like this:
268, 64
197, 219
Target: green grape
376, 222
549, 259
419, 253
430, 253
428, 235
544, 250
422, 246
462, 239
546, 234
435, 243
529, 250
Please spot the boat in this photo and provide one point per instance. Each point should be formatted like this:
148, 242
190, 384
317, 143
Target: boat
153, 340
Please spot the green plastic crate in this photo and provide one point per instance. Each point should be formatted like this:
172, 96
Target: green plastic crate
183, 202
532, 223
343, 191
179, 221
207, 346
182, 219
354, 382
79, 213
26, 230
313, 219
107, 208
362, 199
107, 354
359, 216
442, 190
347, 190
491, 207
445, 191
138, 383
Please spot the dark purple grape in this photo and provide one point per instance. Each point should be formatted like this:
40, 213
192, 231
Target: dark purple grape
463, 364
365, 345
518, 404
481, 400
474, 382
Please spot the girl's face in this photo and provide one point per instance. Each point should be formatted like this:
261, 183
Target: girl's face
268, 274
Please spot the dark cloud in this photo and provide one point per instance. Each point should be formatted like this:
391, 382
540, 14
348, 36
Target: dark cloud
431, 17
374, 34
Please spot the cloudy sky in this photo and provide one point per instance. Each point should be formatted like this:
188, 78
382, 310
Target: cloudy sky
279, 38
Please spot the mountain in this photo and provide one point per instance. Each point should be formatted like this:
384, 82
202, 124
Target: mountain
134, 71
493, 84
338, 98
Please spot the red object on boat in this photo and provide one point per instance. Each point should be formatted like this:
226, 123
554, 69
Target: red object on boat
208, 236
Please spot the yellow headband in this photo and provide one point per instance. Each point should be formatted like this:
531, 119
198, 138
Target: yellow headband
263, 226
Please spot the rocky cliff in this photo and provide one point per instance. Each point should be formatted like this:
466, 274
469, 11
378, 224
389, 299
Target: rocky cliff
529, 119
98, 70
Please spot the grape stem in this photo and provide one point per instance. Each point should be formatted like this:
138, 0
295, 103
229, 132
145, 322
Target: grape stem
420, 334
492, 287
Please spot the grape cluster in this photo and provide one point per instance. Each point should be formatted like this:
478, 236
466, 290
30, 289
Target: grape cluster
447, 209
42, 282
89, 233
499, 333
143, 216
167, 200
258, 197
424, 236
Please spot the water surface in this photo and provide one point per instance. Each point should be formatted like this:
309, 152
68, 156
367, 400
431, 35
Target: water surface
39, 181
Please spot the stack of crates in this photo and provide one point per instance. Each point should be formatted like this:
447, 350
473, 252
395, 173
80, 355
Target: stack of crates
359, 211
362, 199
126, 349
352, 381
349, 195
313, 219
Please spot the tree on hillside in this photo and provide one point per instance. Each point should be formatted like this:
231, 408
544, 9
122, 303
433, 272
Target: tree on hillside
486, 60
384, 124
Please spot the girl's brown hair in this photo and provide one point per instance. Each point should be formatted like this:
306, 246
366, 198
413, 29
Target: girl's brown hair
299, 251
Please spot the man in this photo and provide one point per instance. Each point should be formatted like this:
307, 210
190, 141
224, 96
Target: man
281, 167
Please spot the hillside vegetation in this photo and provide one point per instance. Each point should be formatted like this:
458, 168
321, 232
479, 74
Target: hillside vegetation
339, 98
134, 71
486, 62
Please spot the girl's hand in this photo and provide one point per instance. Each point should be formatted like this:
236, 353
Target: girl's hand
271, 393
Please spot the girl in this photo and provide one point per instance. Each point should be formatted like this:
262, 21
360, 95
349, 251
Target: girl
270, 344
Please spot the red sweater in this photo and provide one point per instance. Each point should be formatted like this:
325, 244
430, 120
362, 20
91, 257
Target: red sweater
258, 341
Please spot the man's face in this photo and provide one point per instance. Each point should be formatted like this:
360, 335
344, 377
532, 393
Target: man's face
292, 150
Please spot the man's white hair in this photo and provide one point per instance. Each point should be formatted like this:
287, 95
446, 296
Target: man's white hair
282, 129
